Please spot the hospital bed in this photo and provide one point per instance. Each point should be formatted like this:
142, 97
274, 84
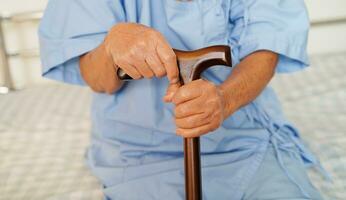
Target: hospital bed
44, 131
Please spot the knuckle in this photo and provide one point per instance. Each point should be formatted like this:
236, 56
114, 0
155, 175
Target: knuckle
151, 75
208, 111
212, 104
160, 72
133, 53
191, 120
127, 57
150, 60
169, 57
148, 75
160, 75
137, 77
184, 124
183, 93
181, 110
204, 118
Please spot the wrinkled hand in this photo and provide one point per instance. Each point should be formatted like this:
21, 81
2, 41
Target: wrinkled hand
141, 52
200, 107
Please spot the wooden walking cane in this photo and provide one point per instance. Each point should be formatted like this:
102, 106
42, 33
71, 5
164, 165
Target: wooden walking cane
191, 65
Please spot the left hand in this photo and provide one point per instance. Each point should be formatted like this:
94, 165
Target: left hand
200, 107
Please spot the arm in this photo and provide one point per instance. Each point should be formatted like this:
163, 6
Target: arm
68, 30
139, 50
202, 106
79, 48
248, 80
272, 37
99, 72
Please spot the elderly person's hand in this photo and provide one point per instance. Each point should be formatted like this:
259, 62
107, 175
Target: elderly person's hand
200, 108
142, 52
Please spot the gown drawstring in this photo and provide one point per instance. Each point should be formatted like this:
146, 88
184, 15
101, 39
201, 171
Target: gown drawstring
281, 136
290, 144
278, 141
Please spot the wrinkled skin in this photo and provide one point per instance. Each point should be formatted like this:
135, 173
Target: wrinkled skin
200, 108
142, 52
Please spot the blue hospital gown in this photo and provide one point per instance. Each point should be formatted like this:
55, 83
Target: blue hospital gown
134, 150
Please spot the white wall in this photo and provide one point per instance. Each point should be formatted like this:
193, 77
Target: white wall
27, 71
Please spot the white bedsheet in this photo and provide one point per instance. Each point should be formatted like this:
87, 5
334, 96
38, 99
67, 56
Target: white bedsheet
44, 132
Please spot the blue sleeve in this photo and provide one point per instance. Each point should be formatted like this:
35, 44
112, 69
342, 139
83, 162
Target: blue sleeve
280, 26
71, 28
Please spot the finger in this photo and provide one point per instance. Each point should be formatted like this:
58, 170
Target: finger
187, 92
130, 70
194, 132
156, 65
169, 60
193, 121
142, 67
171, 90
190, 108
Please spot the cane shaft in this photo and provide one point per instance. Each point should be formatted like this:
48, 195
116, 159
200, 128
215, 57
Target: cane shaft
193, 177
191, 65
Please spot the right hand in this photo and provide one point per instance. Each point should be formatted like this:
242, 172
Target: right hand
141, 52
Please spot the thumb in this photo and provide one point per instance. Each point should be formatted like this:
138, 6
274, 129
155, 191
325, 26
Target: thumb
171, 90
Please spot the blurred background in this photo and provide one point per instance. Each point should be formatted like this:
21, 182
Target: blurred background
44, 126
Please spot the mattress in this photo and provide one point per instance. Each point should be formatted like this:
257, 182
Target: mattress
44, 131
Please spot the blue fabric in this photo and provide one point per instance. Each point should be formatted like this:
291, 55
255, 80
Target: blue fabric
134, 150
271, 182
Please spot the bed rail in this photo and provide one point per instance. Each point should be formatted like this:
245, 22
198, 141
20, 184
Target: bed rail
327, 22
5, 55
22, 17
